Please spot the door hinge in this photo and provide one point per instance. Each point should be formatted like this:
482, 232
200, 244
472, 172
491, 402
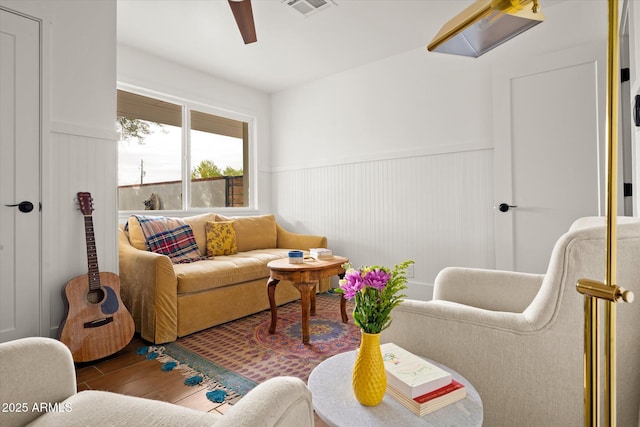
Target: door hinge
625, 75
628, 189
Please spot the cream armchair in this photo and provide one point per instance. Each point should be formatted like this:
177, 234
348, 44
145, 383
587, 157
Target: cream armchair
519, 337
38, 386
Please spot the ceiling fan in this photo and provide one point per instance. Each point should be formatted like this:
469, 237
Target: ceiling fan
243, 13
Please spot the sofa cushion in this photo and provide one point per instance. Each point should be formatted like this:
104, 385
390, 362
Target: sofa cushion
226, 270
221, 238
254, 232
169, 236
198, 224
136, 237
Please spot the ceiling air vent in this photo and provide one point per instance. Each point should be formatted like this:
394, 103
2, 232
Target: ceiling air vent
309, 7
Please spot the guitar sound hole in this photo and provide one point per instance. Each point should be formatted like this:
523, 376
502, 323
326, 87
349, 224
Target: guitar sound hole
95, 296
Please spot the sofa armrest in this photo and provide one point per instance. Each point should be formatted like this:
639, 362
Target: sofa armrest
33, 371
279, 401
487, 289
149, 286
289, 240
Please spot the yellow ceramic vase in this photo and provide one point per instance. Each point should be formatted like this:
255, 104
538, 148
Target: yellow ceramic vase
369, 378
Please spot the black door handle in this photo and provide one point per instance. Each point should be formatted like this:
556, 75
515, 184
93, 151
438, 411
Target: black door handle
504, 207
24, 207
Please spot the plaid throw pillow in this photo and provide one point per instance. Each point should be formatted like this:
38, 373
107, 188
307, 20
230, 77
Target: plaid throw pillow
170, 236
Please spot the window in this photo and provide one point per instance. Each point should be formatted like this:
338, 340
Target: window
174, 156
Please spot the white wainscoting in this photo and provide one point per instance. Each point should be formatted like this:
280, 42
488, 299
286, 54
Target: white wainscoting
77, 160
436, 209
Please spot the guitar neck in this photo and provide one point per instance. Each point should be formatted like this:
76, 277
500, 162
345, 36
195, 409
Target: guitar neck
92, 255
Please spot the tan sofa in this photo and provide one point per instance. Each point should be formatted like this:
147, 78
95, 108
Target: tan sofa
173, 300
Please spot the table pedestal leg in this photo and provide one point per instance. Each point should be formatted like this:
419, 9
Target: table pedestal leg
306, 291
343, 309
271, 291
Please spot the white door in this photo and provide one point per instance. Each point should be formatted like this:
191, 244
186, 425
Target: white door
19, 176
548, 128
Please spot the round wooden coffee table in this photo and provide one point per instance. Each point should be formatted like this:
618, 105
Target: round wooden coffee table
305, 278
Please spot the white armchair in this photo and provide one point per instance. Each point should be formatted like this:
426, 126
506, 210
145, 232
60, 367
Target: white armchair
38, 386
519, 337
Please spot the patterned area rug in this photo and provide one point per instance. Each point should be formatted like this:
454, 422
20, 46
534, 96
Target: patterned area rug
238, 355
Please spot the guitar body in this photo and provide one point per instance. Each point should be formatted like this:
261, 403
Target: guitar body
97, 323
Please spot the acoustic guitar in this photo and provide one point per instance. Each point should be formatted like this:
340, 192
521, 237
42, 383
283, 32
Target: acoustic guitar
96, 324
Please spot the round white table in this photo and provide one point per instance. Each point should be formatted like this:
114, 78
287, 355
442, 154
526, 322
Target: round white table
335, 404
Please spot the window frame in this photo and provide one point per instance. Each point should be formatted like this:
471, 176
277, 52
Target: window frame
249, 153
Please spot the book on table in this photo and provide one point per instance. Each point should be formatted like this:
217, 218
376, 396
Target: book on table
432, 401
321, 253
411, 375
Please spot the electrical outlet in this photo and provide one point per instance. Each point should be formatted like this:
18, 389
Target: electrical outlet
410, 271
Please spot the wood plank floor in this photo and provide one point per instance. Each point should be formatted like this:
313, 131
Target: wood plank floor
129, 373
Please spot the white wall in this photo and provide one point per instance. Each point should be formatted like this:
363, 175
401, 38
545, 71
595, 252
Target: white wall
137, 69
79, 151
323, 147
393, 160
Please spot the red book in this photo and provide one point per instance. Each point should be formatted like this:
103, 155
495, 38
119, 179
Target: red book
455, 385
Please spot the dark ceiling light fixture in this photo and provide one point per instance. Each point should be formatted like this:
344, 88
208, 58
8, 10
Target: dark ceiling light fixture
243, 14
484, 25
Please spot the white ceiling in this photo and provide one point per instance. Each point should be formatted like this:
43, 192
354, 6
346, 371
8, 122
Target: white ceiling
291, 48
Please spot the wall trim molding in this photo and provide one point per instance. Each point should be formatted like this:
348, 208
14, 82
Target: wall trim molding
478, 145
434, 209
81, 130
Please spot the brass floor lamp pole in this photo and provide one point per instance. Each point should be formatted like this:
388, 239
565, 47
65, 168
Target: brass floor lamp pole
607, 291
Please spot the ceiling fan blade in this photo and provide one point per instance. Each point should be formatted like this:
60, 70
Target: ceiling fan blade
243, 13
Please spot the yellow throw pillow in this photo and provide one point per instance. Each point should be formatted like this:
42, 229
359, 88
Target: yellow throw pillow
221, 238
